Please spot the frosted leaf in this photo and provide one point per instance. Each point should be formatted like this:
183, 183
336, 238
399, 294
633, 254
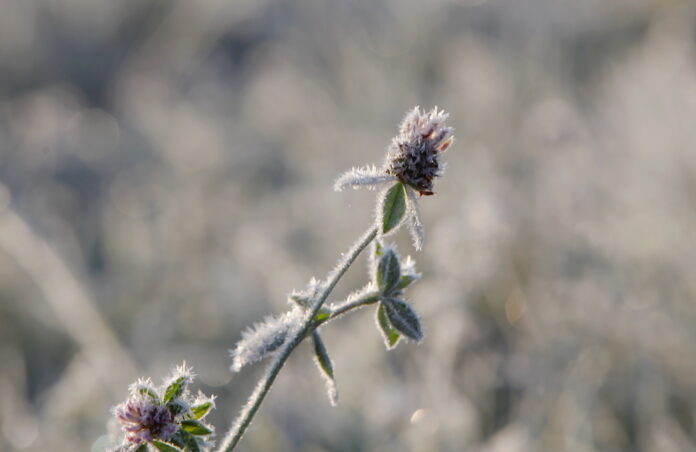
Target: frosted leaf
178, 382
390, 335
409, 275
388, 271
323, 361
366, 176
403, 318
391, 209
415, 224
263, 338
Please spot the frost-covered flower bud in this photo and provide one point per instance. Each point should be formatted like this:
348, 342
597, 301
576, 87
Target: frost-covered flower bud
414, 154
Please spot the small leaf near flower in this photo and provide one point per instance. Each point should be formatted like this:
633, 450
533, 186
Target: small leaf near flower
175, 388
200, 411
150, 393
390, 335
388, 271
325, 366
393, 208
186, 441
165, 447
403, 318
176, 407
195, 427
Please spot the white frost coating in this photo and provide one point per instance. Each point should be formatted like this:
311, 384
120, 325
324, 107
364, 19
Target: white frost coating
366, 176
141, 385
263, 338
306, 297
181, 371
415, 224
331, 388
408, 267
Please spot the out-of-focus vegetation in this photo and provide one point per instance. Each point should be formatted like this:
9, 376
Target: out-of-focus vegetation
166, 172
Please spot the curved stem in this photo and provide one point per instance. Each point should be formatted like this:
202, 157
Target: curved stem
368, 299
247, 414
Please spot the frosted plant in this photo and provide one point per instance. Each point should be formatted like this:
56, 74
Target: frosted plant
409, 170
169, 421
165, 418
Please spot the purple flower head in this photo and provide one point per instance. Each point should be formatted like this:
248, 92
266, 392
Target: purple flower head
143, 420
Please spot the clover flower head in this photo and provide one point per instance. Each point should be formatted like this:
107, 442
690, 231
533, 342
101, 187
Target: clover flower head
142, 420
164, 416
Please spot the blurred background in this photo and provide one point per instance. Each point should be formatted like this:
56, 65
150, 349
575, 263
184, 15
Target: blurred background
165, 180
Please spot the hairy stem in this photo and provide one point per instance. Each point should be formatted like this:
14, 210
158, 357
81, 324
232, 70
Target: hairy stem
343, 308
297, 335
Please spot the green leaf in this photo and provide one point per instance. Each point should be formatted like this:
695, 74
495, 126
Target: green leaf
165, 447
323, 314
141, 448
195, 427
393, 207
388, 271
202, 410
406, 280
176, 407
186, 441
175, 389
403, 318
322, 356
325, 365
390, 335
378, 249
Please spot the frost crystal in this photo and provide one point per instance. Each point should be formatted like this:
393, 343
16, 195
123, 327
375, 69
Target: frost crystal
305, 298
413, 155
263, 338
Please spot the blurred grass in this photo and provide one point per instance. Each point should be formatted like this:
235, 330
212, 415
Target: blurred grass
166, 172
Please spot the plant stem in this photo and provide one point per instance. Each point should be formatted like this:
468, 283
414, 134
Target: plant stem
367, 299
249, 410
